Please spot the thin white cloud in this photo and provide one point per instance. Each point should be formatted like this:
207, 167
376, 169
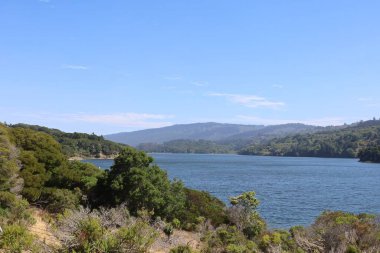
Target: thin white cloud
74, 67
44, 1
278, 86
251, 101
173, 78
199, 83
326, 121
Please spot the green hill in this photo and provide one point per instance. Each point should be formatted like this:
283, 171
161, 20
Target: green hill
206, 137
345, 142
197, 131
79, 144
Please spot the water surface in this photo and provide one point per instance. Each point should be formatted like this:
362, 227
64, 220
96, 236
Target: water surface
292, 191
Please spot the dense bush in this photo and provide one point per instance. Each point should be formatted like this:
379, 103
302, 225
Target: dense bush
340, 232
75, 175
278, 241
105, 231
16, 239
58, 200
370, 154
40, 155
50, 180
13, 209
227, 239
202, 204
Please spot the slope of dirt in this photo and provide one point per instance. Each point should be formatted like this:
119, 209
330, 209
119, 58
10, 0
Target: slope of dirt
42, 230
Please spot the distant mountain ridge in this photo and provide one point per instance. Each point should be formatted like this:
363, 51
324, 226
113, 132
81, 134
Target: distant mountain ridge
225, 134
195, 131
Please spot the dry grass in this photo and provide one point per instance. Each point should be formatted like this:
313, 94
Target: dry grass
42, 230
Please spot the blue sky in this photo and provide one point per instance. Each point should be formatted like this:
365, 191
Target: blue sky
107, 66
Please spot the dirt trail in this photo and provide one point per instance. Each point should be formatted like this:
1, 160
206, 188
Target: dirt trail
42, 230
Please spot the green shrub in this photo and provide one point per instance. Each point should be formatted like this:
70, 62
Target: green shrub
181, 249
202, 204
76, 175
58, 200
16, 239
334, 227
168, 230
89, 236
13, 209
233, 248
352, 249
176, 223
136, 238
227, 239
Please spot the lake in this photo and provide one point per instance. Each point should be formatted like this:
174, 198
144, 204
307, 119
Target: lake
292, 191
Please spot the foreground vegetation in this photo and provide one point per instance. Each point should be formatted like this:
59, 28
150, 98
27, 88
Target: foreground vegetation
134, 206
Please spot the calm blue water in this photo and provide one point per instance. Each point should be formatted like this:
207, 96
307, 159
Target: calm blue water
292, 191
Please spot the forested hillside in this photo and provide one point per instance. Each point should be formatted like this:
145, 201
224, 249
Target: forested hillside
188, 146
208, 137
346, 142
197, 131
79, 144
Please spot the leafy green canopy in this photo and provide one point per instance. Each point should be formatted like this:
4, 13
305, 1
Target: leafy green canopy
133, 179
79, 144
9, 164
49, 178
370, 154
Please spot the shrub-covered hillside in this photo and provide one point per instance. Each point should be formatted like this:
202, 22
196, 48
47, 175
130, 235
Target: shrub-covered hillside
133, 207
79, 144
345, 143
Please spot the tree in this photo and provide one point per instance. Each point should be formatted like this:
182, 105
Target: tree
135, 181
243, 213
370, 154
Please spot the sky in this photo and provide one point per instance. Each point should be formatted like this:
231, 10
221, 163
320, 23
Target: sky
109, 66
